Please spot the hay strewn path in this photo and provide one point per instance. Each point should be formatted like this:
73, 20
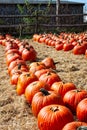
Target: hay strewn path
15, 113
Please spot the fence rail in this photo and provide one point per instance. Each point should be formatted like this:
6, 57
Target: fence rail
50, 15
37, 21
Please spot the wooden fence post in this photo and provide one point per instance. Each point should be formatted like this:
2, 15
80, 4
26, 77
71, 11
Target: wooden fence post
20, 30
36, 27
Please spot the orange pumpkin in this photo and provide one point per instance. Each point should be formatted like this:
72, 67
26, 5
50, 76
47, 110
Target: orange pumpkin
19, 68
73, 97
54, 117
33, 88
23, 81
38, 73
49, 62
14, 77
35, 66
61, 88
29, 53
15, 63
44, 98
81, 110
11, 57
75, 125
50, 78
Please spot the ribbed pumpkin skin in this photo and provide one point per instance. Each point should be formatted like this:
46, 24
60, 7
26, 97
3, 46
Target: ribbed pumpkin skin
73, 97
15, 63
38, 73
40, 100
23, 81
54, 120
74, 125
61, 88
33, 88
49, 62
50, 78
81, 110
35, 66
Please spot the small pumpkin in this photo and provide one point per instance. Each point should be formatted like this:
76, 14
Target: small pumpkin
50, 78
19, 68
49, 62
35, 66
11, 45
35, 37
33, 88
38, 73
42, 39
11, 57
29, 53
61, 88
15, 63
68, 46
14, 77
23, 81
59, 46
10, 51
79, 49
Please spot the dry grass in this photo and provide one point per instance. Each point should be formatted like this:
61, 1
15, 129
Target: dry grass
15, 112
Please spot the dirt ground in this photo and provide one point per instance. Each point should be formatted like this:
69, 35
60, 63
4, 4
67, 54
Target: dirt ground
15, 112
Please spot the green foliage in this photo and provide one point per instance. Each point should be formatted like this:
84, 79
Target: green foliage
32, 10
1, 21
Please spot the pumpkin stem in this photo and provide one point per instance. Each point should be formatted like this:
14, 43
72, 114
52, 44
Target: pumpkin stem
19, 66
82, 128
38, 63
48, 73
78, 90
27, 75
54, 109
56, 62
44, 91
79, 43
28, 48
53, 70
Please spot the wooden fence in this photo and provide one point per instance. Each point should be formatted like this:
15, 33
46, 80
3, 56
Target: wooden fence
29, 24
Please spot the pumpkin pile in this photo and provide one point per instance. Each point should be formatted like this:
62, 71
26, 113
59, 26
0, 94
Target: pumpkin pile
55, 104
64, 41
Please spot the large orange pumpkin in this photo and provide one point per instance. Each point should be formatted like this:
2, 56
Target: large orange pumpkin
54, 117
44, 98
